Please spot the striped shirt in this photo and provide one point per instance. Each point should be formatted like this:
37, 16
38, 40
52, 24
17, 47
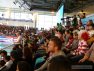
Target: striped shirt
82, 48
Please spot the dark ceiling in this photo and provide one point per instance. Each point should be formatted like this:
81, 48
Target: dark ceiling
53, 5
73, 5
45, 5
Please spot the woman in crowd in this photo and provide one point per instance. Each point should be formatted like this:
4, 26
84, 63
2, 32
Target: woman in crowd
77, 54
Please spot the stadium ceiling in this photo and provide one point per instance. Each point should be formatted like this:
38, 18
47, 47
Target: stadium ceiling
53, 5
44, 5
73, 5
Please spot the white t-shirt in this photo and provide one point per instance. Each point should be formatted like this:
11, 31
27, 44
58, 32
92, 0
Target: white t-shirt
18, 40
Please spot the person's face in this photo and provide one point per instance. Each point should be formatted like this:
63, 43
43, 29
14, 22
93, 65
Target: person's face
66, 33
2, 54
75, 36
51, 46
17, 68
4, 59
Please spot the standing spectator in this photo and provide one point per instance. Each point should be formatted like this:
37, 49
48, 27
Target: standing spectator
19, 38
74, 21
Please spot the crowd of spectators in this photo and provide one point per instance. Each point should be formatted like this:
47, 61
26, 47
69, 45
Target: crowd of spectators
49, 50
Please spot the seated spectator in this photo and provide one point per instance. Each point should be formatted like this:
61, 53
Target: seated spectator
8, 61
27, 56
15, 58
7, 65
89, 56
2, 63
60, 63
54, 47
89, 25
3, 53
90, 40
73, 44
66, 36
82, 46
70, 40
18, 48
23, 66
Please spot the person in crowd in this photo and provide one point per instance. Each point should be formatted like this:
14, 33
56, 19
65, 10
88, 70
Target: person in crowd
18, 48
59, 34
89, 25
23, 66
89, 55
83, 36
66, 36
2, 63
60, 63
54, 47
8, 62
19, 38
73, 43
27, 56
70, 40
3, 54
15, 58
74, 21
91, 40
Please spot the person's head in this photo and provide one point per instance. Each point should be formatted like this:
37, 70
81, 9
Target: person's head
59, 63
3, 53
90, 22
83, 35
2, 63
54, 44
59, 33
75, 35
89, 25
67, 32
14, 55
27, 52
6, 58
23, 66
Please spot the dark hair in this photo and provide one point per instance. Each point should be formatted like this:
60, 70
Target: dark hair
68, 31
18, 48
14, 54
27, 52
57, 42
59, 63
23, 66
7, 58
3, 51
2, 62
